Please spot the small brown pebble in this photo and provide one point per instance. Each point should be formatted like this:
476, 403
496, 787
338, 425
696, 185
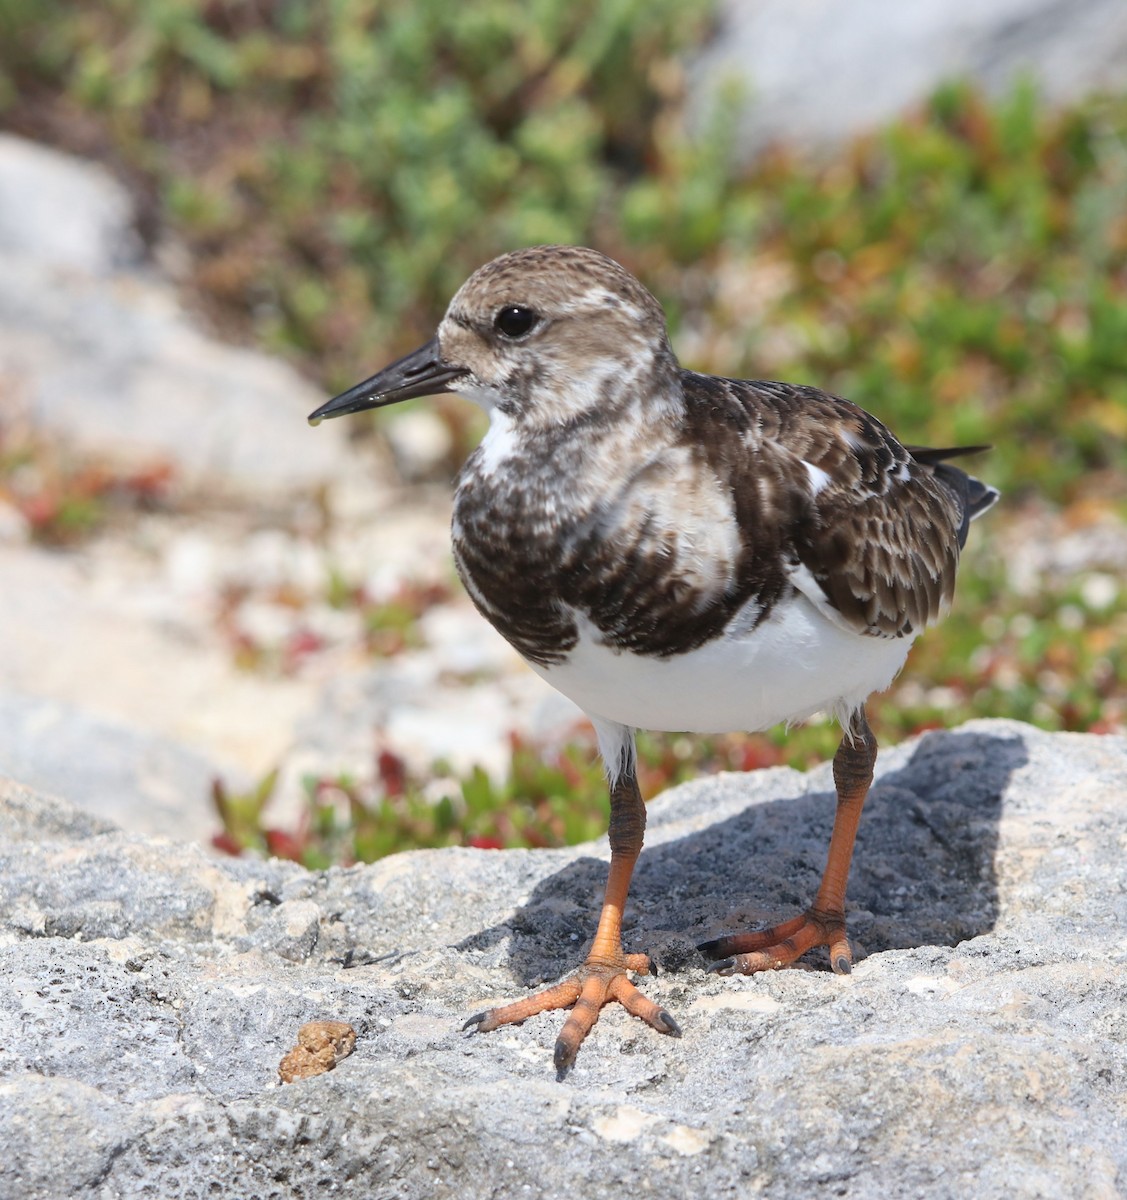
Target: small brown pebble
320, 1046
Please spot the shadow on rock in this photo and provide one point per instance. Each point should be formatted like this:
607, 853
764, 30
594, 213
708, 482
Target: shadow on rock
923, 871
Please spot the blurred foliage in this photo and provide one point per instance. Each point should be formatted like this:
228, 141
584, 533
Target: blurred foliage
548, 799
963, 275
337, 170
553, 794
380, 627
1056, 658
58, 500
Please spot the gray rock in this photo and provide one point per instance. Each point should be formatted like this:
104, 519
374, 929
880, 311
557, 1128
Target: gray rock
89, 1131
816, 72
127, 711
133, 778
95, 347
979, 1048
291, 931
64, 213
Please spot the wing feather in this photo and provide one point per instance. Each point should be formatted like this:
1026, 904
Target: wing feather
876, 527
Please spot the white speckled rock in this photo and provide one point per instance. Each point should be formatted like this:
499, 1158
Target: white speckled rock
980, 1047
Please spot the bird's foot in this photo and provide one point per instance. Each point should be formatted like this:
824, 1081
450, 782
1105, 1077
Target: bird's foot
769, 949
585, 992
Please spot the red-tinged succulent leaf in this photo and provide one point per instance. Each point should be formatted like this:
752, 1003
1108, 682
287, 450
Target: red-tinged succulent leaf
392, 772
226, 843
282, 844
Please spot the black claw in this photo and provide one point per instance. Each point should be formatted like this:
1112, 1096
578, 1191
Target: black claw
562, 1058
671, 1026
475, 1021
842, 965
711, 948
724, 966
653, 968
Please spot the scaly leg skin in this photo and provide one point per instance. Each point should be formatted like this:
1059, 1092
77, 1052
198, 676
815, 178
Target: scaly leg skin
823, 923
602, 977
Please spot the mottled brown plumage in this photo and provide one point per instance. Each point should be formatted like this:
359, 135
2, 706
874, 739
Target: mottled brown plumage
881, 539
678, 551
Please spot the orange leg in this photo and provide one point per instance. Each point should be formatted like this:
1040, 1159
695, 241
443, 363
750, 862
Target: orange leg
823, 923
602, 977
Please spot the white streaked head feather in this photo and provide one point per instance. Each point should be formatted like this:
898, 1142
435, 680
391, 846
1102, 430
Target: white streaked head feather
599, 339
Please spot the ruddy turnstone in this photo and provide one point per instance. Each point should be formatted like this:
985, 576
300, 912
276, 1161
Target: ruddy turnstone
676, 551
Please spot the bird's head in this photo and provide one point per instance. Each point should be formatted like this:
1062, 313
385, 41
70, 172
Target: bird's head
547, 335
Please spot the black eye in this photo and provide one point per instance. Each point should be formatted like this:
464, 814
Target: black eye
513, 321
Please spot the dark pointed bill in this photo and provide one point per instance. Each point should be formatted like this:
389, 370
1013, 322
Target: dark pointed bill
420, 373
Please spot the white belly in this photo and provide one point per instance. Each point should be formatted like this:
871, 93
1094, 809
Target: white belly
795, 664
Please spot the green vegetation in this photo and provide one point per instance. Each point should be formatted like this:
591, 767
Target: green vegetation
549, 799
964, 276
553, 795
337, 170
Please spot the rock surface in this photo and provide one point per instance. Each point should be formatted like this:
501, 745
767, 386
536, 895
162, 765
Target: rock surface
816, 72
979, 1048
95, 347
137, 779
